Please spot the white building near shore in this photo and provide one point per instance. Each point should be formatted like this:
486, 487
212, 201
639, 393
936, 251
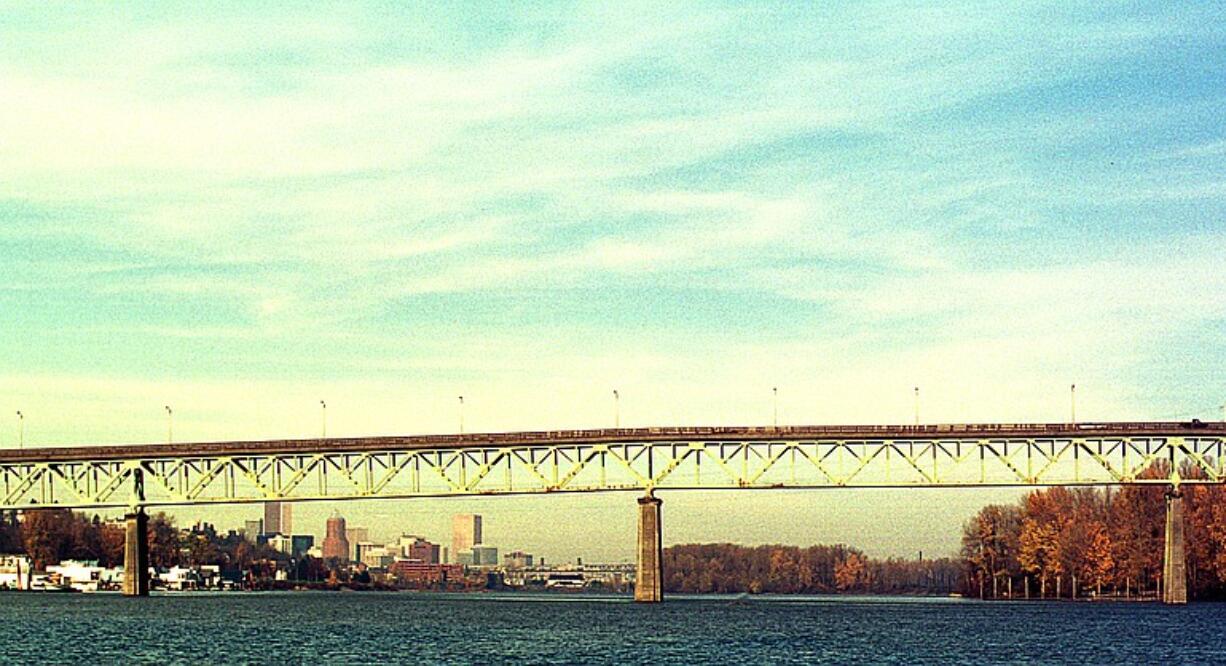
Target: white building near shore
86, 576
15, 572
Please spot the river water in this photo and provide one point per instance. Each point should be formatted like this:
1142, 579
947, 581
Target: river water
360, 627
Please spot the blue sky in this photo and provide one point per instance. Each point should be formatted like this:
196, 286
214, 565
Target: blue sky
242, 209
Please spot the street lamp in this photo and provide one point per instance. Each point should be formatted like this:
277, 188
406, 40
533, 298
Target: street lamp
323, 408
461, 415
170, 424
916, 405
21, 430
617, 415
775, 400
1072, 403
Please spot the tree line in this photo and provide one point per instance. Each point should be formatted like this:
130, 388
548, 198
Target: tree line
50, 536
1066, 542
777, 569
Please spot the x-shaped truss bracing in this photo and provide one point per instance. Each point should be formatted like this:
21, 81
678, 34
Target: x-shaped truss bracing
585, 467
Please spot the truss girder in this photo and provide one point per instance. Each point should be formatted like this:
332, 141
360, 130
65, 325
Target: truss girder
586, 467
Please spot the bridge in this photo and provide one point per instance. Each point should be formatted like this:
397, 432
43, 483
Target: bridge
642, 460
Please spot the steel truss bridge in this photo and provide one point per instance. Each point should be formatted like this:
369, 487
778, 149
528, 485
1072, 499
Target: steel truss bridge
640, 459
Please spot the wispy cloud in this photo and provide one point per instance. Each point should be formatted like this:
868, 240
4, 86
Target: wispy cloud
394, 188
239, 210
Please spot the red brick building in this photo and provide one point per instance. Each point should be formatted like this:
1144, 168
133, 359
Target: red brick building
420, 573
423, 551
336, 545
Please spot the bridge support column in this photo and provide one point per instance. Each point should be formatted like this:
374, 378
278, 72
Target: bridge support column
136, 554
649, 574
1174, 564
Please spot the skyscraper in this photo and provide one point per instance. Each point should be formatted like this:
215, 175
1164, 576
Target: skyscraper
277, 518
465, 532
356, 535
336, 544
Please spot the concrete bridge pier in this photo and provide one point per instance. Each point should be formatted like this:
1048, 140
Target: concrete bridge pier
136, 554
1174, 563
649, 574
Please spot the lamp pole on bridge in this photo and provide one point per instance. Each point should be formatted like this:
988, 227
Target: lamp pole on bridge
21, 430
461, 415
1072, 403
916, 405
170, 425
323, 429
775, 403
617, 409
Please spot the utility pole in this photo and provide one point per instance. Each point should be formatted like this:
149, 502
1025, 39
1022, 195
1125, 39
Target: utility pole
21, 430
323, 408
461, 415
170, 425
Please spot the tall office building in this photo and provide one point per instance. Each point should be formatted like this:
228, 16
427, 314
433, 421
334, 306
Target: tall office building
465, 532
356, 535
277, 518
336, 544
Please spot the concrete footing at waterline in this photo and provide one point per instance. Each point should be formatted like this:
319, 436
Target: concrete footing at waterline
649, 574
136, 554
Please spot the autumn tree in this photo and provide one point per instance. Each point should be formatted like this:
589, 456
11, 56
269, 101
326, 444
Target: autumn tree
1097, 564
45, 535
10, 533
851, 574
1039, 551
990, 543
111, 540
163, 541
1136, 522
784, 576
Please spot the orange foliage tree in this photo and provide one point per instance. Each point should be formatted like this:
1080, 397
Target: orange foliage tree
1109, 540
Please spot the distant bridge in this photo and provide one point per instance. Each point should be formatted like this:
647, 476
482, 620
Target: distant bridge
625, 459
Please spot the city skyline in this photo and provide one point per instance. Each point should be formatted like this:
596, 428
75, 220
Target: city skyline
343, 220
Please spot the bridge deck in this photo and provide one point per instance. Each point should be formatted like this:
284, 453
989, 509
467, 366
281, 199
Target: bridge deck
972, 431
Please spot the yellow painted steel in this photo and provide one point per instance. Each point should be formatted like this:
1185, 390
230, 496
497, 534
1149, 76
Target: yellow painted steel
617, 466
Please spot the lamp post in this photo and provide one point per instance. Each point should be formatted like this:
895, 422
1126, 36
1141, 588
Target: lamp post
916, 405
775, 405
1072, 403
21, 430
461, 415
323, 410
170, 424
617, 409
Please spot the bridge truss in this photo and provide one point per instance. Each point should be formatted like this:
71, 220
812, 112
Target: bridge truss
638, 460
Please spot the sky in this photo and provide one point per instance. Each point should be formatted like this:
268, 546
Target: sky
244, 209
